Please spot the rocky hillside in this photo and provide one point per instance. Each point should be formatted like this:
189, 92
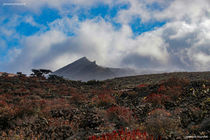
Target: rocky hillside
164, 106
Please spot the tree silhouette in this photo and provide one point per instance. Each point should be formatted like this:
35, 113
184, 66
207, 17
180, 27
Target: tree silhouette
40, 72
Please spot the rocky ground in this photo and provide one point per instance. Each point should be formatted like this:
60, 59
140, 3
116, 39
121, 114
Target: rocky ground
171, 105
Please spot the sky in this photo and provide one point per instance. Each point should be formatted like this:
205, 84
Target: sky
159, 35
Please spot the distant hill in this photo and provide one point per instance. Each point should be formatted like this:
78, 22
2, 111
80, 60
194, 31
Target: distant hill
85, 70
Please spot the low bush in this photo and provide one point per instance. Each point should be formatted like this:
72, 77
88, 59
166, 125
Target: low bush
120, 115
157, 99
160, 122
103, 100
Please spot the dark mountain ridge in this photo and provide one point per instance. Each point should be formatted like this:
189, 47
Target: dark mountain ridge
85, 70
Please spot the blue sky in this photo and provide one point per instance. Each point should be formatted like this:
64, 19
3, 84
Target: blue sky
163, 35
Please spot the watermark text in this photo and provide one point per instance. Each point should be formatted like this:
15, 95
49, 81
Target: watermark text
197, 137
14, 4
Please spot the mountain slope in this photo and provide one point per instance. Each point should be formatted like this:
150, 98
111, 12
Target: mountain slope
170, 105
85, 70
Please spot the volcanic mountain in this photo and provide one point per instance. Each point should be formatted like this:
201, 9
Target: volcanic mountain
85, 70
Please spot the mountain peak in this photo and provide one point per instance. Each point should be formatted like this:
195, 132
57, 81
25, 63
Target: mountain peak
84, 69
83, 59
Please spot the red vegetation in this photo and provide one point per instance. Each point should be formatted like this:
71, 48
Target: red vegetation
124, 135
103, 99
123, 113
39, 108
159, 111
173, 87
176, 82
76, 97
156, 98
161, 89
142, 85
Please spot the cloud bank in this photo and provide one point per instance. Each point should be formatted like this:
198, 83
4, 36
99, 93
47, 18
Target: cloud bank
181, 44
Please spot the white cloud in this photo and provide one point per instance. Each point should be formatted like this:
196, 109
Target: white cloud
34, 47
202, 59
100, 41
8, 29
96, 39
182, 29
151, 44
182, 43
137, 9
65, 24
